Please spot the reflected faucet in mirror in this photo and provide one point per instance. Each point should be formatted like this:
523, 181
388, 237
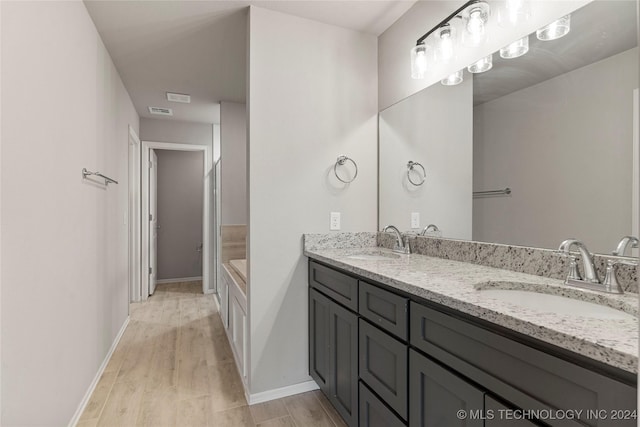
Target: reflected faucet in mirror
626, 242
401, 245
431, 227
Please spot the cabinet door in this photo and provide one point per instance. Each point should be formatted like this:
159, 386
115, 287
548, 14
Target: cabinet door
343, 344
383, 366
319, 350
436, 396
498, 415
374, 413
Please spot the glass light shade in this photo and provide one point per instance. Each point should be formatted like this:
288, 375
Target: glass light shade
453, 79
475, 17
515, 49
482, 65
419, 61
446, 43
514, 12
555, 30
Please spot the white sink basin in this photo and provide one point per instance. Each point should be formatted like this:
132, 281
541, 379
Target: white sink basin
374, 257
556, 304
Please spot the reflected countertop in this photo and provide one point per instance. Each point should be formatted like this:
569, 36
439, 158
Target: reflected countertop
458, 285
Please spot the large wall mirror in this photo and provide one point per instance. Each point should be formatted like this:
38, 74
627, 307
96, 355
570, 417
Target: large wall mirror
555, 126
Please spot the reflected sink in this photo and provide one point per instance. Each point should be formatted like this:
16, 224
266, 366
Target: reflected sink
556, 304
380, 256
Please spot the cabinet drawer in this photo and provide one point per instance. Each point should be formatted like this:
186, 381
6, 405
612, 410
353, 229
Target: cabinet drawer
384, 309
527, 377
339, 286
374, 413
498, 415
437, 395
383, 366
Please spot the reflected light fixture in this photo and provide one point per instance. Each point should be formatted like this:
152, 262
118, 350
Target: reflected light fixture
453, 79
555, 30
481, 65
515, 49
419, 61
514, 12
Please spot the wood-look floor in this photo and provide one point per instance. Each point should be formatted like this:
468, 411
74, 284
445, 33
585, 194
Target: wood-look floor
174, 367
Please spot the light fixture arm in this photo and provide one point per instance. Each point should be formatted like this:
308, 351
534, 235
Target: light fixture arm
447, 19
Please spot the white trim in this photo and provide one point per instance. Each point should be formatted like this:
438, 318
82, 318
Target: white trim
206, 214
179, 279
96, 379
278, 393
134, 217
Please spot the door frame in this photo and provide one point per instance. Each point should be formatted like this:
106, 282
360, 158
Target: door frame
135, 216
206, 214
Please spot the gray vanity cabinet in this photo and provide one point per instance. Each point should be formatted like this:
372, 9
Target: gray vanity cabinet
497, 415
333, 344
437, 396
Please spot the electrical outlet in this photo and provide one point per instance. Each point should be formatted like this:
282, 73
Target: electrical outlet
335, 221
415, 219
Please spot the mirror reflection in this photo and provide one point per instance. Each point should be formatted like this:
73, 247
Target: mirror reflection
554, 127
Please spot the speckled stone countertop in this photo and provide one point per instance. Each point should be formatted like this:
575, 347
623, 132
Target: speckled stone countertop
459, 285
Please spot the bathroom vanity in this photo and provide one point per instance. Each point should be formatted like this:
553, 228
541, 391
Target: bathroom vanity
415, 340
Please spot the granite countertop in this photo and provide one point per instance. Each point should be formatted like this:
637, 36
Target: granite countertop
458, 285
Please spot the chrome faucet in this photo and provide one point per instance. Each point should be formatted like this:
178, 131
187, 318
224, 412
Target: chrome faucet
588, 269
401, 245
625, 242
431, 227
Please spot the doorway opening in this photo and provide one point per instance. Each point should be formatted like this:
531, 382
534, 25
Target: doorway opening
183, 256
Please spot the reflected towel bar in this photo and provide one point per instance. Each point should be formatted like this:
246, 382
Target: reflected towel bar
492, 192
107, 180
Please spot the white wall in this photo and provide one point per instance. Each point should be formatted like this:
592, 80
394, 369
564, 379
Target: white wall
394, 45
564, 146
180, 207
312, 97
434, 128
158, 130
64, 241
233, 146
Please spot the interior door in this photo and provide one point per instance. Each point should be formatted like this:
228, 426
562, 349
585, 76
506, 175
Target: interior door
153, 220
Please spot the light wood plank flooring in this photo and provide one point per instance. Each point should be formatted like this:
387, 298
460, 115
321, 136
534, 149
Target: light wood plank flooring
174, 367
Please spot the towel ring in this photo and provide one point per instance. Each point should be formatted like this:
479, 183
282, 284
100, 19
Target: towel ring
410, 167
340, 162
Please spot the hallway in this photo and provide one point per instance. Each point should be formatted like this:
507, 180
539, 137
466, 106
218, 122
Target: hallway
174, 366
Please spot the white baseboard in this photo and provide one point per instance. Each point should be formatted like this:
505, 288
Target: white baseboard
94, 383
278, 393
179, 279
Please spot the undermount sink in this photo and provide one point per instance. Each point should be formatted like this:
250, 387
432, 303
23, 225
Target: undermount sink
378, 256
556, 304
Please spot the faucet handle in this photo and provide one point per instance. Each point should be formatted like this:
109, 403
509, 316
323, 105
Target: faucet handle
574, 274
610, 281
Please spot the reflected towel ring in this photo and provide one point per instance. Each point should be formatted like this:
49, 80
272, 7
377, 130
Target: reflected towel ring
410, 167
340, 162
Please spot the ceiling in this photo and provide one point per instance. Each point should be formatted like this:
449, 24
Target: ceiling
199, 47
598, 30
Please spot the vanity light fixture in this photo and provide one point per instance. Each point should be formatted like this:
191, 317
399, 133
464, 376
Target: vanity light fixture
515, 49
454, 79
474, 13
555, 30
419, 60
481, 65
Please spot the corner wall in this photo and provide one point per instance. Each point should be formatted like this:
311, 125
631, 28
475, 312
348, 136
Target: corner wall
64, 239
233, 155
312, 97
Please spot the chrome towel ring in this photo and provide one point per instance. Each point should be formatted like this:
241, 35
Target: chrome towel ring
411, 167
340, 162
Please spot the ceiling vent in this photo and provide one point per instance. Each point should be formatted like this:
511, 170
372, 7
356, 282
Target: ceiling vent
161, 111
178, 97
